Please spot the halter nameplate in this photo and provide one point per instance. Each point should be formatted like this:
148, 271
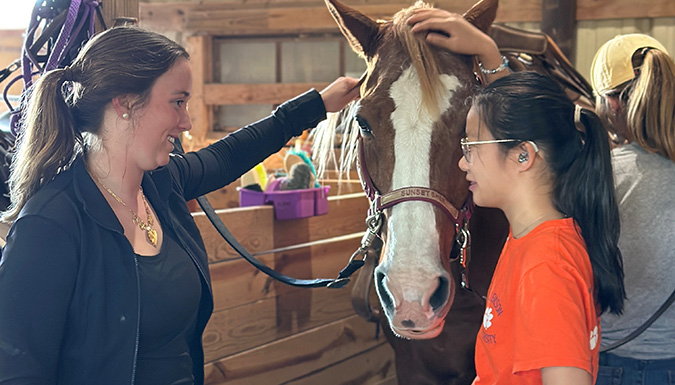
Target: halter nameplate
410, 193
416, 193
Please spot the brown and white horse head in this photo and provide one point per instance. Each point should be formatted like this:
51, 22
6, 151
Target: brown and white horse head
409, 120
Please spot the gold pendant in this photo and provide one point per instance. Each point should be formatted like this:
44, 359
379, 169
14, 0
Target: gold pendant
152, 236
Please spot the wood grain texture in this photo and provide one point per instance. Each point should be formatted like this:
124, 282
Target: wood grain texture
301, 354
237, 19
270, 93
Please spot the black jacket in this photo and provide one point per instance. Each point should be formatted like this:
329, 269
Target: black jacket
69, 300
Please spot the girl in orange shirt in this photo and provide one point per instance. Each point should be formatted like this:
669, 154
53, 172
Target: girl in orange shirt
546, 165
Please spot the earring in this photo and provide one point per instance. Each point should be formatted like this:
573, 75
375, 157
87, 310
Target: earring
125, 116
523, 157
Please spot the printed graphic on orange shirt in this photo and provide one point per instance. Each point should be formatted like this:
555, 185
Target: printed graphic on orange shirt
594, 337
493, 309
487, 318
497, 305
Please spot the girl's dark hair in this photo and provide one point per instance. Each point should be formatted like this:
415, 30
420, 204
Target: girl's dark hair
65, 103
529, 106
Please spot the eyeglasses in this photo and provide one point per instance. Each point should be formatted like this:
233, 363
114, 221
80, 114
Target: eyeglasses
466, 145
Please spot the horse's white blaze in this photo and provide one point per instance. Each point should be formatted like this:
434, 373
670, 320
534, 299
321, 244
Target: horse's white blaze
414, 223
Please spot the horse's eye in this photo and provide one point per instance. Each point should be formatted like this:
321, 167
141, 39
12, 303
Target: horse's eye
363, 125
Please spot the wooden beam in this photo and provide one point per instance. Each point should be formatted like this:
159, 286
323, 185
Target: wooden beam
235, 18
200, 48
558, 21
119, 9
271, 93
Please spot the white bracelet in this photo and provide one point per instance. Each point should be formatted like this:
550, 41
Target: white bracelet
504, 65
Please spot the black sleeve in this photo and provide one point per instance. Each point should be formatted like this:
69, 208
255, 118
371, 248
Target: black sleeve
37, 277
222, 162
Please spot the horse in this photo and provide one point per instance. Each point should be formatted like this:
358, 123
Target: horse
405, 136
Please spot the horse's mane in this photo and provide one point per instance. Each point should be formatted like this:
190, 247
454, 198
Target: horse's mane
427, 69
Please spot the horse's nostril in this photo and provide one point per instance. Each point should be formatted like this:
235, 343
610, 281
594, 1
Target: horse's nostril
408, 323
385, 297
440, 295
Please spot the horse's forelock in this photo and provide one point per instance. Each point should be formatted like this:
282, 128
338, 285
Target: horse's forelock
428, 71
422, 57
323, 141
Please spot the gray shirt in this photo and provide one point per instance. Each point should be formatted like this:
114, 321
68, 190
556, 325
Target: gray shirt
645, 189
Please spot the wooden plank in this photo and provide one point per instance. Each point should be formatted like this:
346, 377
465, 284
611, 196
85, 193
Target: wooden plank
333, 174
342, 187
375, 366
270, 93
236, 283
255, 227
624, 9
663, 30
388, 381
346, 215
312, 17
250, 225
286, 359
245, 327
200, 49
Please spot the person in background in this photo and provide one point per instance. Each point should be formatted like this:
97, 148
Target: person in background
546, 164
634, 80
104, 277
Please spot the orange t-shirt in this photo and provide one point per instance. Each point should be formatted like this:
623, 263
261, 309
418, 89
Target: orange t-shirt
540, 309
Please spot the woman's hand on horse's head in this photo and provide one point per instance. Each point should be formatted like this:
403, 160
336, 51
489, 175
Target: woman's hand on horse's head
453, 32
339, 93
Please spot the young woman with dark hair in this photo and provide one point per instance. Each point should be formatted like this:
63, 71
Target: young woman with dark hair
104, 278
546, 164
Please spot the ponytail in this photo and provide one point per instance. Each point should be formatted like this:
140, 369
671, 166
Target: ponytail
651, 104
47, 143
585, 192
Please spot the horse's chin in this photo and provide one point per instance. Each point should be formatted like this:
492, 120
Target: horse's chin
413, 334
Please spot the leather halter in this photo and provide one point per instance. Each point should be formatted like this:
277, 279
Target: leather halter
379, 201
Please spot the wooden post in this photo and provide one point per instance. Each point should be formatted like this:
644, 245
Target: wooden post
120, 12
200, 47
558, 19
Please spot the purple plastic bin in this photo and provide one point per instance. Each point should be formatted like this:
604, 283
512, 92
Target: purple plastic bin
250, 197
291, 204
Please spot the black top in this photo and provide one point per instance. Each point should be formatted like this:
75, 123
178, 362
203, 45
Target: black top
170, 292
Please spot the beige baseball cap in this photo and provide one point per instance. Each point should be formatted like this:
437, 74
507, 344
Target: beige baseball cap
613, 65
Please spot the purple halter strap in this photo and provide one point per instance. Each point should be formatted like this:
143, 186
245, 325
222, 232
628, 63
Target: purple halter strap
63, 42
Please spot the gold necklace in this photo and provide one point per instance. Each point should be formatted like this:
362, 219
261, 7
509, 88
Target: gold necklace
534, 224
150, 233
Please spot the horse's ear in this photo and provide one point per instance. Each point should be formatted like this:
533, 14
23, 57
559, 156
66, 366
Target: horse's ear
482, 14
359, 29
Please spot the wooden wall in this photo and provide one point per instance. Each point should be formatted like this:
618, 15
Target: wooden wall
10, 50
195, 22
264, 332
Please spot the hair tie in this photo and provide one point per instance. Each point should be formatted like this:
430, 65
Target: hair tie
67, 74
579, 124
